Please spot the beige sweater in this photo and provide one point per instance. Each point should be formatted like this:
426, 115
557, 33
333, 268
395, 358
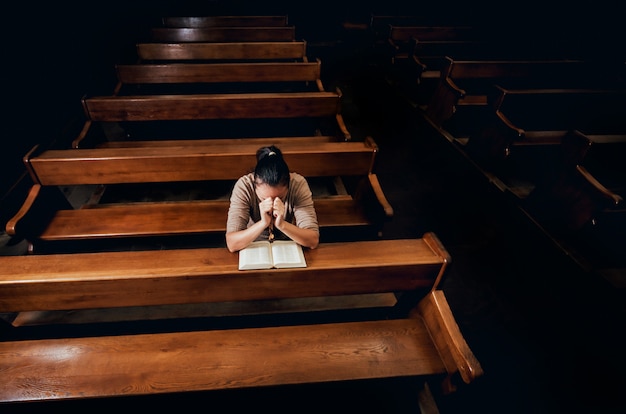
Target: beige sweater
244, 206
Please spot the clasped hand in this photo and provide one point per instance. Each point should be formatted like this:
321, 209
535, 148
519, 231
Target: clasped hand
272, 211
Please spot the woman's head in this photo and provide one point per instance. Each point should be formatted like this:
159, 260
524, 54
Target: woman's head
271, 169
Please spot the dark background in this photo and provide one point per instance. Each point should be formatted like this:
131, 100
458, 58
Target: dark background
56, 52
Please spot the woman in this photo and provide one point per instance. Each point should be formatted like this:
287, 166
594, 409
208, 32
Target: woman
270, 203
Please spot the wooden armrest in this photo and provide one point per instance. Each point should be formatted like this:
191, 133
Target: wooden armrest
373, 188
613, 198
421, 66
41, 203
380, 195
26, 161
343, 128
453, 349
340, 121
395, 47
460, 92
320, 85
82, 135
118, 87
519, 131
12, 224
369, 196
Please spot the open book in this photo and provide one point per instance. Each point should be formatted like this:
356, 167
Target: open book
266, 255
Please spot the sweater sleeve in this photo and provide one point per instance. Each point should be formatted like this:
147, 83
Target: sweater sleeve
241, 205
304, 212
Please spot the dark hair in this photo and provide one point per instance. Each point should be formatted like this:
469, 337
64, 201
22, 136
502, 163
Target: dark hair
271, 167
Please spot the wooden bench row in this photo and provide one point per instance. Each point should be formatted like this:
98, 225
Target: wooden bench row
522, 117
144, 77
223, 34
551, 134
228, 115
428, 55
147, 158
402, 39
429, 61
226, 21
46, 217
473, 80
415, 336
520, 132
222, 51
568, 94
415, 339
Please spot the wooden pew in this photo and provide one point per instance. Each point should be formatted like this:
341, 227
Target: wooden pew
225, 21
583, 209
429, 55
379, 23
223, 34
473, 80
571, 181
537, 119
418, 337
145, 78
224, 115
428, 59
225, 51
467, 92
420, 72
355, 204
523, 112
402, 39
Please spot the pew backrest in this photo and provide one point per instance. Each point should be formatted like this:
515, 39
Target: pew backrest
219, 73
403, 34
379, 24
225, 21
211, 106
591, 111
474, 82
401, 39
534, 73
200, 160
223, 34
224, 51
432, 55
272, 114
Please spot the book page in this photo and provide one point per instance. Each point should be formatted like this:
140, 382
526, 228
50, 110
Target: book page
256, 256
287, 253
